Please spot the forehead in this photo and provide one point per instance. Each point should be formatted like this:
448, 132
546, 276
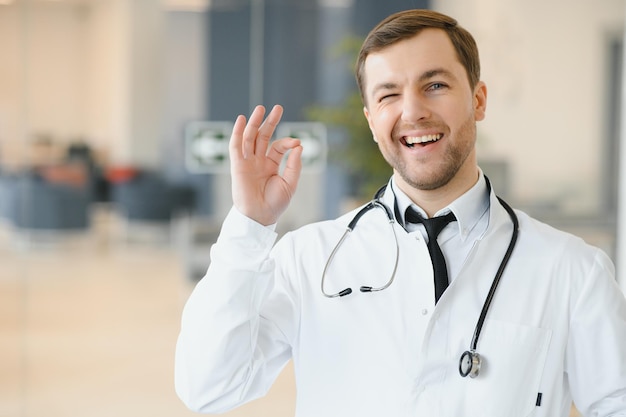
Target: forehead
429, 49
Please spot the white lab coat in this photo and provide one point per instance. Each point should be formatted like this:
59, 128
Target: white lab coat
556, 328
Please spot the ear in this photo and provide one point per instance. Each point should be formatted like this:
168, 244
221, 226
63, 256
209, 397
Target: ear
369, 122
480, 101
367, 116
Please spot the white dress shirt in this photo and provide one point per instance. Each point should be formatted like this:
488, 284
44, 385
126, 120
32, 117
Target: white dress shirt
556, 329
457, 239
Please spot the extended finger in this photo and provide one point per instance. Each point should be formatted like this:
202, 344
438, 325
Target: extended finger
236, 137
251, 131
267, 130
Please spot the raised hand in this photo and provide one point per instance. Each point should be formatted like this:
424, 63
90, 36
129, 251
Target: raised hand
259, 190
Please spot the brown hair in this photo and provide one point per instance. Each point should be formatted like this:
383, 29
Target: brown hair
406, 24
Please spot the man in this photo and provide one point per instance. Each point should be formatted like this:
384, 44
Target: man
554, 330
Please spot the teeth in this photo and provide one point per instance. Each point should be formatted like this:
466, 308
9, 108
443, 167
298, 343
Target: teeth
411, 140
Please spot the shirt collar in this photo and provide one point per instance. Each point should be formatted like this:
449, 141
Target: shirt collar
468, 209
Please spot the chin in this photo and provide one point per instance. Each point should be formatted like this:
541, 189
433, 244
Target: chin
428, 182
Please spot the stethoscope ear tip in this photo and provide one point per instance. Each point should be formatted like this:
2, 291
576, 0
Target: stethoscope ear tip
365, 288
345, 292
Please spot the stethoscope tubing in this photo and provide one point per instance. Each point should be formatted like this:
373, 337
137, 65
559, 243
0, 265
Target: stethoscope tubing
376, 203
498, 276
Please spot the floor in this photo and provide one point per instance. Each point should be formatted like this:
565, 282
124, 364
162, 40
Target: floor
88, 326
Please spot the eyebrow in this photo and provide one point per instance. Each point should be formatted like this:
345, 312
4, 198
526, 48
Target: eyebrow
384, 86
436, 72
427, 75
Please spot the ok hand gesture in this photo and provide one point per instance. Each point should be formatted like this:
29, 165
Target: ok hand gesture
259, 190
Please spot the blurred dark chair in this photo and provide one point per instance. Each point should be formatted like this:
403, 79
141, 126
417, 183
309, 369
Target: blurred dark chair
36, 204
8, 185
147, 196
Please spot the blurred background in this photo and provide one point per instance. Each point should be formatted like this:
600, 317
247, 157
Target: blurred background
114, 116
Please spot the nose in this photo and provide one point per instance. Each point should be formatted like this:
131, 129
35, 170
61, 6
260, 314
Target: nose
414, 108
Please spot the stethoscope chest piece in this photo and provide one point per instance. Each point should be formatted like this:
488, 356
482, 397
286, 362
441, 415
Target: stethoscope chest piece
469, 365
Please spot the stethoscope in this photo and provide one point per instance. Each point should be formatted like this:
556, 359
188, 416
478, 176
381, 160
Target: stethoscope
470, 361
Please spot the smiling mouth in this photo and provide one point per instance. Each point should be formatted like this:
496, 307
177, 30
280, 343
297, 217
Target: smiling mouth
411, 141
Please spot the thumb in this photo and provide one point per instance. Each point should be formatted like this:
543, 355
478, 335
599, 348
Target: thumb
293, 168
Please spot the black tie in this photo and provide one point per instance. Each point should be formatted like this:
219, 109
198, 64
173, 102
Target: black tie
434, 226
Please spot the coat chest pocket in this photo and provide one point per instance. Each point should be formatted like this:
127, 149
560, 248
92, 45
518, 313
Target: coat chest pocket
513, 361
